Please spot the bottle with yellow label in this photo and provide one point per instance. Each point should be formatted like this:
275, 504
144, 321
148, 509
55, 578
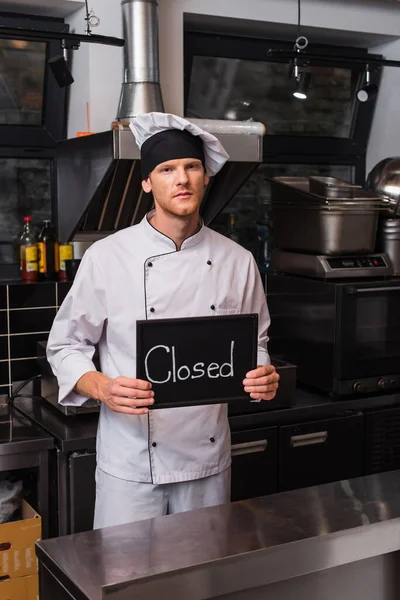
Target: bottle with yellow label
28, 252
66, 253
48, 254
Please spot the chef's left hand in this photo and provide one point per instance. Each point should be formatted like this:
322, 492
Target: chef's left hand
262, 383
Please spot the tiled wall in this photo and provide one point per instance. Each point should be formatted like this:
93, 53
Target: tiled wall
26, 315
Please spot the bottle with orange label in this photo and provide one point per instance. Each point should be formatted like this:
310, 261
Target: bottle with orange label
48, 254
28, 252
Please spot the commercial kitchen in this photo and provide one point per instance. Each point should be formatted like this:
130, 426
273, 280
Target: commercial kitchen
303, 96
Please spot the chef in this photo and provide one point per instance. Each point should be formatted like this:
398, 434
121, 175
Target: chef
170, 265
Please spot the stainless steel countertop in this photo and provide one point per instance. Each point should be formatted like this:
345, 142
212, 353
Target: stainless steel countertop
223, 549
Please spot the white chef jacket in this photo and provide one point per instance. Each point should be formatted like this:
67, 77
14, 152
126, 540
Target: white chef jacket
138, 274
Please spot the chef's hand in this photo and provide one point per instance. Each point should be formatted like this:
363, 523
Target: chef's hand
126, 395
122, 394
262, 383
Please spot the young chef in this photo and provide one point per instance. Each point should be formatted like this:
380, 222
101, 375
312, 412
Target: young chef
168, 266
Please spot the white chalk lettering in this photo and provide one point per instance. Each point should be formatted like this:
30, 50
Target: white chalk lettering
198, 369
146, 366
212, 367
229, 364
173, 365
184, 372
184, 367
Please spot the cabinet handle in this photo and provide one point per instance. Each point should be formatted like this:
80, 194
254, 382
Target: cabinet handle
249, 447
307, 439
376, 289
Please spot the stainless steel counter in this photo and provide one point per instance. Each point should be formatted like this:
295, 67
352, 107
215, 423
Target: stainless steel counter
334, 541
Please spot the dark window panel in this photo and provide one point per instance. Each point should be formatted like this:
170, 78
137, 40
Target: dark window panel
25, 346
22, 82
31, 320
235, 89
32, 295
32, 104
245, 82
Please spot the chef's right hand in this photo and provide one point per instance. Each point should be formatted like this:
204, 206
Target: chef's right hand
126, 395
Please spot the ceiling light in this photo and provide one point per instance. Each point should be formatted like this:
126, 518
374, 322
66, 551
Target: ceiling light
303, 83
369, 90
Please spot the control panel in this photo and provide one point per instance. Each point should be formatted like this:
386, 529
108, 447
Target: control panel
374, 384
356, 262
367, 385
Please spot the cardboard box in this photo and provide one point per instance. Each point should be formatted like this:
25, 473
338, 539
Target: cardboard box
21, 588
17, 544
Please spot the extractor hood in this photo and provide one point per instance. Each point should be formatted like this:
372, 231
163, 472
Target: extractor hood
99, 177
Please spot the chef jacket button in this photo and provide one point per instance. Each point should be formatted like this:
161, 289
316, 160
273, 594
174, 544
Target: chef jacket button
212, 307
209, 262
154, 444
149, 264
152, 310
212, 439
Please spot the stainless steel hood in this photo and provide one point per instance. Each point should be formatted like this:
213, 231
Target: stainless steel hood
99, 177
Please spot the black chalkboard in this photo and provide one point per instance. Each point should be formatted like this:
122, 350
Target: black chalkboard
201, 360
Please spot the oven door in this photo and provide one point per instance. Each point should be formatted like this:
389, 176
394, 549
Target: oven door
368, 335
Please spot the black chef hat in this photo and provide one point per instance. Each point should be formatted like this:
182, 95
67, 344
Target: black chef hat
170, 144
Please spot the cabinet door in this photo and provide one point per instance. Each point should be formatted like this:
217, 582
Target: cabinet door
82, 491
254, 463
321, 451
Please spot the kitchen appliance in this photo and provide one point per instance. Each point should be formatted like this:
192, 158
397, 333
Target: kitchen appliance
343, 335
389, 241
332, 267
323, 215
99, 176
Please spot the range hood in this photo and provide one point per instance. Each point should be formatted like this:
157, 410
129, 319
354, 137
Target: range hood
99, 176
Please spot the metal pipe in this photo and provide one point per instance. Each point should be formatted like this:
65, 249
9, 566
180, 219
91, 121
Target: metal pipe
141, 82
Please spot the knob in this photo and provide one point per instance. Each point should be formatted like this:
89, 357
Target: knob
383, 384
358, 387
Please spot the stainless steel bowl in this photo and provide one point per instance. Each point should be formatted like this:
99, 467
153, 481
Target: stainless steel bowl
384, 180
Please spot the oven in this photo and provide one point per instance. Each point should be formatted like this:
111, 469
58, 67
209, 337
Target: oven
343, 335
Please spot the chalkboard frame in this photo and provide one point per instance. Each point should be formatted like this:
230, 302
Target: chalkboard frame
182, 321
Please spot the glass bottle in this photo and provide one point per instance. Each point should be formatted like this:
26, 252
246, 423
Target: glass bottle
48, 252
66, 253
28, 252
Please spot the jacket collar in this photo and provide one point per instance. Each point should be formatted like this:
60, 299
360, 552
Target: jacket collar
163, 241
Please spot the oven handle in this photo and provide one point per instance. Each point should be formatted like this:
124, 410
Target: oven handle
372, 289
308, 439
249, 447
